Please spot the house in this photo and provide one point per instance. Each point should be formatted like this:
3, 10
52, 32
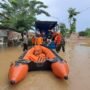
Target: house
3, 36
7, 35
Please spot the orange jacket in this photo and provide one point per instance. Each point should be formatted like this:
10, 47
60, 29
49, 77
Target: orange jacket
58, 39
45, 52
33, 40
39, 41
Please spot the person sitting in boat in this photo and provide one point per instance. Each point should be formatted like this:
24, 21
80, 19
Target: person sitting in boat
39, 54
49, 40
39, 40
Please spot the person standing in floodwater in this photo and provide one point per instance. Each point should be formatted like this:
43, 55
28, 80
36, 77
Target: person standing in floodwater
57, 41
62, 44
25, 43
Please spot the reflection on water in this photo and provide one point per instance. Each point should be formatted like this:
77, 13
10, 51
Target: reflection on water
78, 58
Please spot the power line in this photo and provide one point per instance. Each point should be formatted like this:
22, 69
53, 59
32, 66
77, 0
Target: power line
84, 10
78, 14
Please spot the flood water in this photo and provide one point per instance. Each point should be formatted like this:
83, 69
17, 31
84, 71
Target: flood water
77, 56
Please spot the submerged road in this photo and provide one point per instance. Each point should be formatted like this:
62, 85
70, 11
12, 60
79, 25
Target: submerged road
78, 58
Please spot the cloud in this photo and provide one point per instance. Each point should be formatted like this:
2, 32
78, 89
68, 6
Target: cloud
58, 10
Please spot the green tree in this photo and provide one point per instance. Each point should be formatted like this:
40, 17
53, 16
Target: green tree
88, 31
63, 29
85, 33
20, 15
72, 19
82, 33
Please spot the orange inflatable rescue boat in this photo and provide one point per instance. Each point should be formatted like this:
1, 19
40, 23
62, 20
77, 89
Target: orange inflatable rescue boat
30, 61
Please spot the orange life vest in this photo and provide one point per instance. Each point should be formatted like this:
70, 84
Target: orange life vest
39, 41
33, 40
58, 39
45, 53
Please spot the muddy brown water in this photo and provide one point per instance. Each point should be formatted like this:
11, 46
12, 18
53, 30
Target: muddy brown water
78, 58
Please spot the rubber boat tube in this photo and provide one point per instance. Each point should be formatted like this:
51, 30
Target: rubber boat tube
19, 70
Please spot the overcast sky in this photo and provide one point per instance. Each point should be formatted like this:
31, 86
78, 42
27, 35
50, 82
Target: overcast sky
58, 10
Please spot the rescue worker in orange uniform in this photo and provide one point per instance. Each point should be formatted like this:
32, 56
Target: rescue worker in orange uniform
57, 41
39, 54
33, 40
39, 40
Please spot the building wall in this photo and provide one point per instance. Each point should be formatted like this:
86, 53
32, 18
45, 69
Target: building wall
13, 35
3, 36
6, 35
3, 33
31, 34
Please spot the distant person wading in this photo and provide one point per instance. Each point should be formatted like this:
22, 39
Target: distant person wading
62, 45
25, 43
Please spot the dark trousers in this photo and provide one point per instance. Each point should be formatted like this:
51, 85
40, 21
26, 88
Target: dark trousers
62, 47
25, 47
59, 47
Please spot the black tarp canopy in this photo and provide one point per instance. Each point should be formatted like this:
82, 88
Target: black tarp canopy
45, 25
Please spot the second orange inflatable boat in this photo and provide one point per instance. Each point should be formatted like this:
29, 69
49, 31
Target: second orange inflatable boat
19, 70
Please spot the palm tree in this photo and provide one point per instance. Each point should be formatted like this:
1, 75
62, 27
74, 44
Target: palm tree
72, 20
